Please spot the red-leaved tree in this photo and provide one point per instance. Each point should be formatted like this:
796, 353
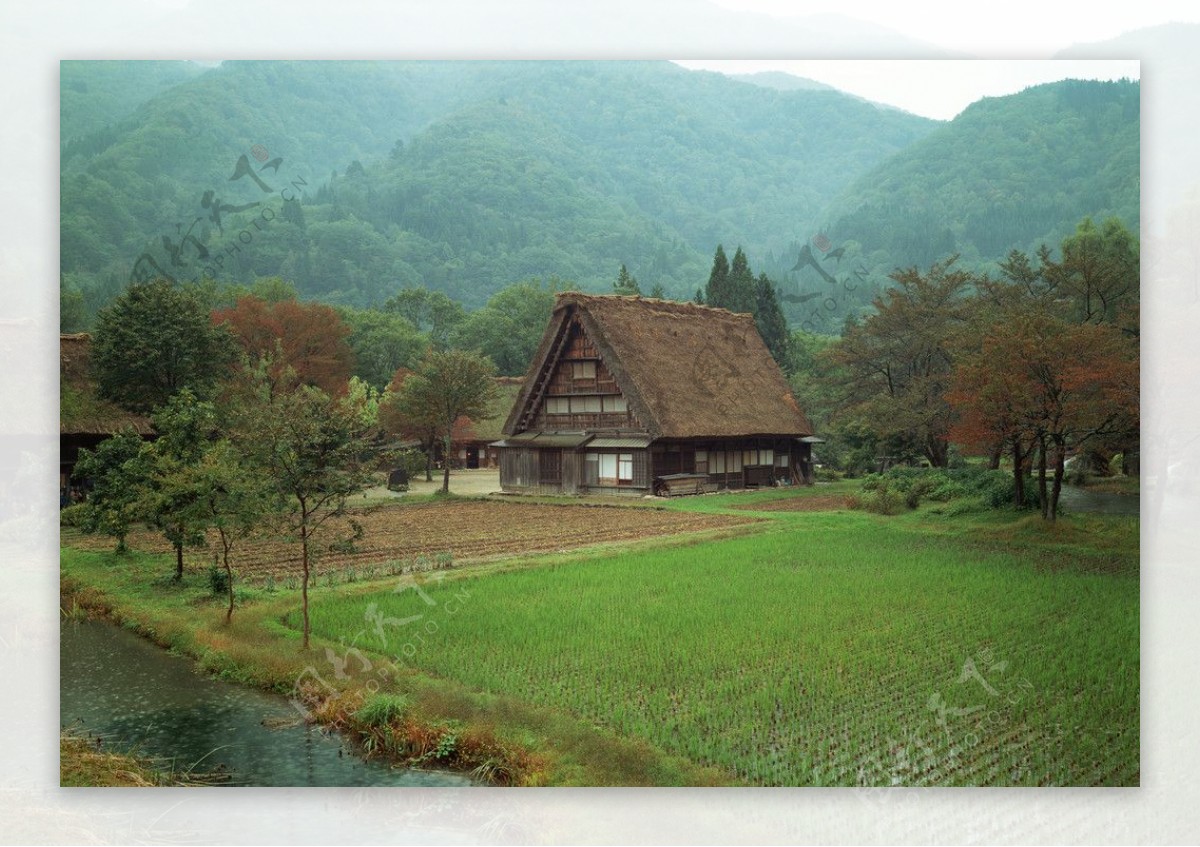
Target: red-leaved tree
306, 342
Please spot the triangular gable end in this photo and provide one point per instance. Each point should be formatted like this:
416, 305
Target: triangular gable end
574, 384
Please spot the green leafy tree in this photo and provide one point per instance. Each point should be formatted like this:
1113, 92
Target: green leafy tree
382, 342
115, 473
446, 387
168, 496
509, 328
431, 312
1099, 270
626, 283
312, 447
233, 499
154, 340
891, 371
658, 292
411, 424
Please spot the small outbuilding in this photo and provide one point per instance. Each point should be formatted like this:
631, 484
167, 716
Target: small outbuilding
85, 419
634, 395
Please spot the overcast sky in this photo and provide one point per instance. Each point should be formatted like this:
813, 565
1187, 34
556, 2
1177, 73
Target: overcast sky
935, 88
1022, 28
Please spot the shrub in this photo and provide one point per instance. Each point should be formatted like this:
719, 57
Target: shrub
218, 581
881, 499
382, 710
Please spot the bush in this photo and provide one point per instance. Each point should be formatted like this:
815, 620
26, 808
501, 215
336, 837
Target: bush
993, 488
218, 581
382, 710
880, 498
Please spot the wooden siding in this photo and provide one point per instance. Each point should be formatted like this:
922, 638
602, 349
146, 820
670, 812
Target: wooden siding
554, 471
736, 463
580, 377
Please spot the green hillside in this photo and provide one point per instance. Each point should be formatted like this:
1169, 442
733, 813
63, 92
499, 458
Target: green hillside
1009, 172
95, 95
503, 171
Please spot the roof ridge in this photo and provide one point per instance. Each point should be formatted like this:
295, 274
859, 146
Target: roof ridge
563, 297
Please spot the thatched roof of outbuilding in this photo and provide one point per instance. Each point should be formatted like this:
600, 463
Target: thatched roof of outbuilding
490, 429
688, 371
81, 411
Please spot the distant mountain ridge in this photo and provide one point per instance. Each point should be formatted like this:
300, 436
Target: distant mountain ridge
469, 176
640, 162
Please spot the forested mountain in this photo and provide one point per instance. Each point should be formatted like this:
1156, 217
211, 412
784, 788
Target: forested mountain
95, 95
1010, 172
468, 176
502, 171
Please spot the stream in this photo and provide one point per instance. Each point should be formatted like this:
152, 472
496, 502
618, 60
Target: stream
117, 685
1076, 499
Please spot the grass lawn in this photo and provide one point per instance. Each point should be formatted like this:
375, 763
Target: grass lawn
812, 648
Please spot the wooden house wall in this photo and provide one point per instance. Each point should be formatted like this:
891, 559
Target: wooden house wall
553, 471
673, 457
567, 382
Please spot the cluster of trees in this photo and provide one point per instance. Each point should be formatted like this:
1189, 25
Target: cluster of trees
261, 424
327, 343
1035, 365
734, 287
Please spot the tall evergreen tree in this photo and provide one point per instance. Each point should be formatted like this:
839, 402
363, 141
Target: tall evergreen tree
626, 283
740, 296
768, 317
718, 280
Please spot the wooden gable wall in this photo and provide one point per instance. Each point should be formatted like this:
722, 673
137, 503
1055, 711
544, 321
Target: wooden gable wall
582, 394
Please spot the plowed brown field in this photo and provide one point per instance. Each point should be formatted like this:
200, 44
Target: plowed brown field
463, 529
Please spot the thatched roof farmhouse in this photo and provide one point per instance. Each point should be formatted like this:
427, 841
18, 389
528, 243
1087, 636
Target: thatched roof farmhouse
633, 395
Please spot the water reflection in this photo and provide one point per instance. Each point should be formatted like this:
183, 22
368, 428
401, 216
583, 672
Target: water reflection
120, 686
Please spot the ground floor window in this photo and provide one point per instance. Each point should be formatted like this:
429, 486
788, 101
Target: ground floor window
608, 469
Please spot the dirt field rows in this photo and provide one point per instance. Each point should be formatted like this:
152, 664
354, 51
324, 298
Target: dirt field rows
463, 529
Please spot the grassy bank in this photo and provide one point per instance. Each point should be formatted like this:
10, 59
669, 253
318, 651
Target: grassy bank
84, 762
816, 647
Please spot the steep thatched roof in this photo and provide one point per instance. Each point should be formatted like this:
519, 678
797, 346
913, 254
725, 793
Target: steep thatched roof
688, 371
81, 411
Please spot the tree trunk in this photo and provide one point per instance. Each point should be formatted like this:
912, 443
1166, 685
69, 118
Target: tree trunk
1042, 497
994, 457
429, 463
937, 451
228, 580
1018, 473
1060, 462
446, 462
178, 561
304, 562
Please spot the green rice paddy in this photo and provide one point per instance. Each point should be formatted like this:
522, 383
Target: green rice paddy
827, 648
